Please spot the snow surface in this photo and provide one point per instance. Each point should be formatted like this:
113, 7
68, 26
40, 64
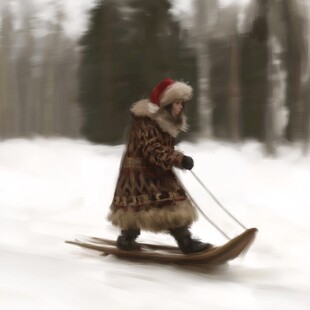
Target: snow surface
56, 190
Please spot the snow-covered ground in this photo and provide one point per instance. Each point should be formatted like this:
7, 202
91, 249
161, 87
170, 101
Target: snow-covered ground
55, 190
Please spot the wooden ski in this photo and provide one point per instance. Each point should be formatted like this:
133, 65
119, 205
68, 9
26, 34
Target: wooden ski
172, 255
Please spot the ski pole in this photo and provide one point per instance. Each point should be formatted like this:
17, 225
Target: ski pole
202, 213
216, 200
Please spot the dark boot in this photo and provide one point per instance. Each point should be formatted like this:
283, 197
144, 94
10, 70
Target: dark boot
126, 240
186, 243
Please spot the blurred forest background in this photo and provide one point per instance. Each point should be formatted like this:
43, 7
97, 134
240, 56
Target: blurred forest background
248, 62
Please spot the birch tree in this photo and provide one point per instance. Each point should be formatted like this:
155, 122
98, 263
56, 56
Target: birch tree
204, 11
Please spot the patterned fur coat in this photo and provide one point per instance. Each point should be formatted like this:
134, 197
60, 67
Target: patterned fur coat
148, 194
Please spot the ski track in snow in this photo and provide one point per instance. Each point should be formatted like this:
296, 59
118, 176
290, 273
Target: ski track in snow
52, 190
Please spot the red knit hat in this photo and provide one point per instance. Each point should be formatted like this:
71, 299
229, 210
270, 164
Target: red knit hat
169, 90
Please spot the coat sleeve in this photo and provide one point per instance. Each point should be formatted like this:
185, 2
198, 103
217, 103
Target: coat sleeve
156, 151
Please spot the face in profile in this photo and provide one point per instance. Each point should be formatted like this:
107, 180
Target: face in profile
176, 109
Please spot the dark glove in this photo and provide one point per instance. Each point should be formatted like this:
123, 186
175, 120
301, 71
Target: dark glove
187, 162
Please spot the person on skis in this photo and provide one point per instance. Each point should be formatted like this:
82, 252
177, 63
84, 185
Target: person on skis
148, 195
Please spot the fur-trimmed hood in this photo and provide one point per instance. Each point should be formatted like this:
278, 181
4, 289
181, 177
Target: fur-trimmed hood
168, 90
145, 108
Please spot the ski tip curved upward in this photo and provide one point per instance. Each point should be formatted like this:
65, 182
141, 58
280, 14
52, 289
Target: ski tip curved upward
250, 233
252, 230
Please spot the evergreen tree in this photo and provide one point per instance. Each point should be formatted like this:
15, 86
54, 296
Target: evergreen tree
129, 47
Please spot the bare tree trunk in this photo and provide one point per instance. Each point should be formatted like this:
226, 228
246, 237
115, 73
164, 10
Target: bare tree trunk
204, 103
234, 93
49, 99
6, 59
24, 67
49, 85
271, 72
276, 114
61, 71
73, 126
306, 145
304, 7
3, 95
107, 72
205, 108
